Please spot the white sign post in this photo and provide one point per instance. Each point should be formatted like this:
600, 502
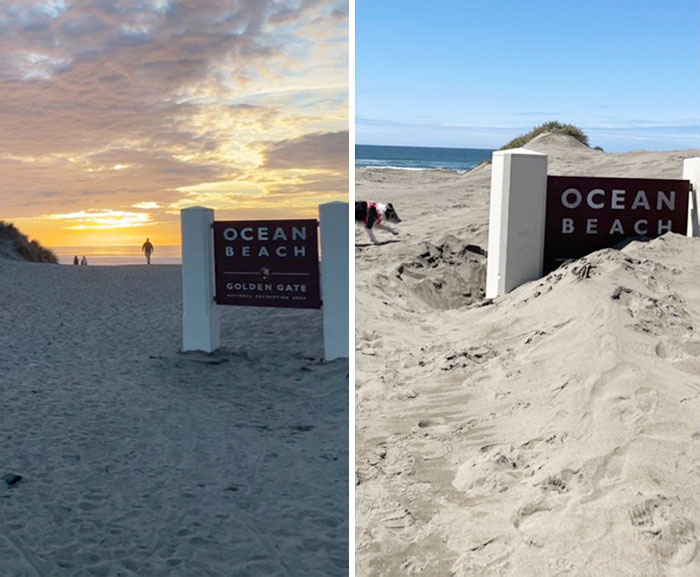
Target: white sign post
691, 172
335, 279
200, 317
516, 219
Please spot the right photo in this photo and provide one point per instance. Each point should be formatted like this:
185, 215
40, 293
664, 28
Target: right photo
527, 289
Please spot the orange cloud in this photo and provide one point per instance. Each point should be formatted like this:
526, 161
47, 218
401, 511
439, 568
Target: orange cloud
143, 108
96, 219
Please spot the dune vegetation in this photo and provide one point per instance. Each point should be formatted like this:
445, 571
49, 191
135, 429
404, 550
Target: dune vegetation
551, 126
15, 244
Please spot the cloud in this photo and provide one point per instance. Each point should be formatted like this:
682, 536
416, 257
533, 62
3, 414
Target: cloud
96, 219
318, 151
31, 12
31, 65
148, 205
121, 101
612, 133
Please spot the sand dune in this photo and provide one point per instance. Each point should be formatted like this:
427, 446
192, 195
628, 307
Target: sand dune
554, 431
138, 460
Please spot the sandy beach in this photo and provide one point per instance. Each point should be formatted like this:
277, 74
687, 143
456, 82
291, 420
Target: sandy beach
554, 431
138, 460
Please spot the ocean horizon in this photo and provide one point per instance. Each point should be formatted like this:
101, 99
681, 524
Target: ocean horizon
117, 255
420, 157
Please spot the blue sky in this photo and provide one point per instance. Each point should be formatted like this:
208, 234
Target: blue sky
475, 74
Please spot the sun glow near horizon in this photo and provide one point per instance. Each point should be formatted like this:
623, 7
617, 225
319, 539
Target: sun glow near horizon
107, 150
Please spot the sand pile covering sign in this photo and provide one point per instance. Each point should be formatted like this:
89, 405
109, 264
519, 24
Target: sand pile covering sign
272, 263
536, 221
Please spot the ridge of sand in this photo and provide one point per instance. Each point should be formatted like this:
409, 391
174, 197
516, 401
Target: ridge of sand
569, 157
553, 432
551, 141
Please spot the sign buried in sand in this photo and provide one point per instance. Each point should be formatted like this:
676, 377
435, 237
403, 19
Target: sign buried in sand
270, 263
537, 222
587, 214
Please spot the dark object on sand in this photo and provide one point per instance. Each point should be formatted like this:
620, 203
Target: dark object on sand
583, 272
11, 479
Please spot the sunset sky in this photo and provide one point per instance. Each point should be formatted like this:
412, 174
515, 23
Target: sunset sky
114, 115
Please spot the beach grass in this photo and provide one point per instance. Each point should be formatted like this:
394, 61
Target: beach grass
551, 126
18, 243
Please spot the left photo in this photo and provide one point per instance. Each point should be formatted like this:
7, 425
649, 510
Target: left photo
174, 288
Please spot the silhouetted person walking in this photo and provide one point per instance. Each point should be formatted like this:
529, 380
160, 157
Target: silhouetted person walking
147, 248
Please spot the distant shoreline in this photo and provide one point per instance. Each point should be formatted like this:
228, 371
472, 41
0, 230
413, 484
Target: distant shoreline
419, 157
128, 264
118, 255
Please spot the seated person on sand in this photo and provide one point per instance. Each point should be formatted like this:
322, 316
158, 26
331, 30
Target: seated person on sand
75, 260
83, 261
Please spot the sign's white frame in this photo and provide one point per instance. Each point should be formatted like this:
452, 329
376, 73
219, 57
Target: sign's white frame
201, 329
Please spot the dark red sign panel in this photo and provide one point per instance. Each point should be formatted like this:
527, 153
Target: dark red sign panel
588, 214
270, 263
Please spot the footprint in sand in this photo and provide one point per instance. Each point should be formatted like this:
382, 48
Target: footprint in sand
642, 515
691, 348
369, 342
688, 357
645, 399
665, 532
661, 350
673, 348
385, 461
505, 462
530, 509
554, 483
400, 523
493, 471
683, 354
519, 406
638, 406
656, 316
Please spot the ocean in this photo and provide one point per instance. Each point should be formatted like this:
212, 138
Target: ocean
117, 255
419, 157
